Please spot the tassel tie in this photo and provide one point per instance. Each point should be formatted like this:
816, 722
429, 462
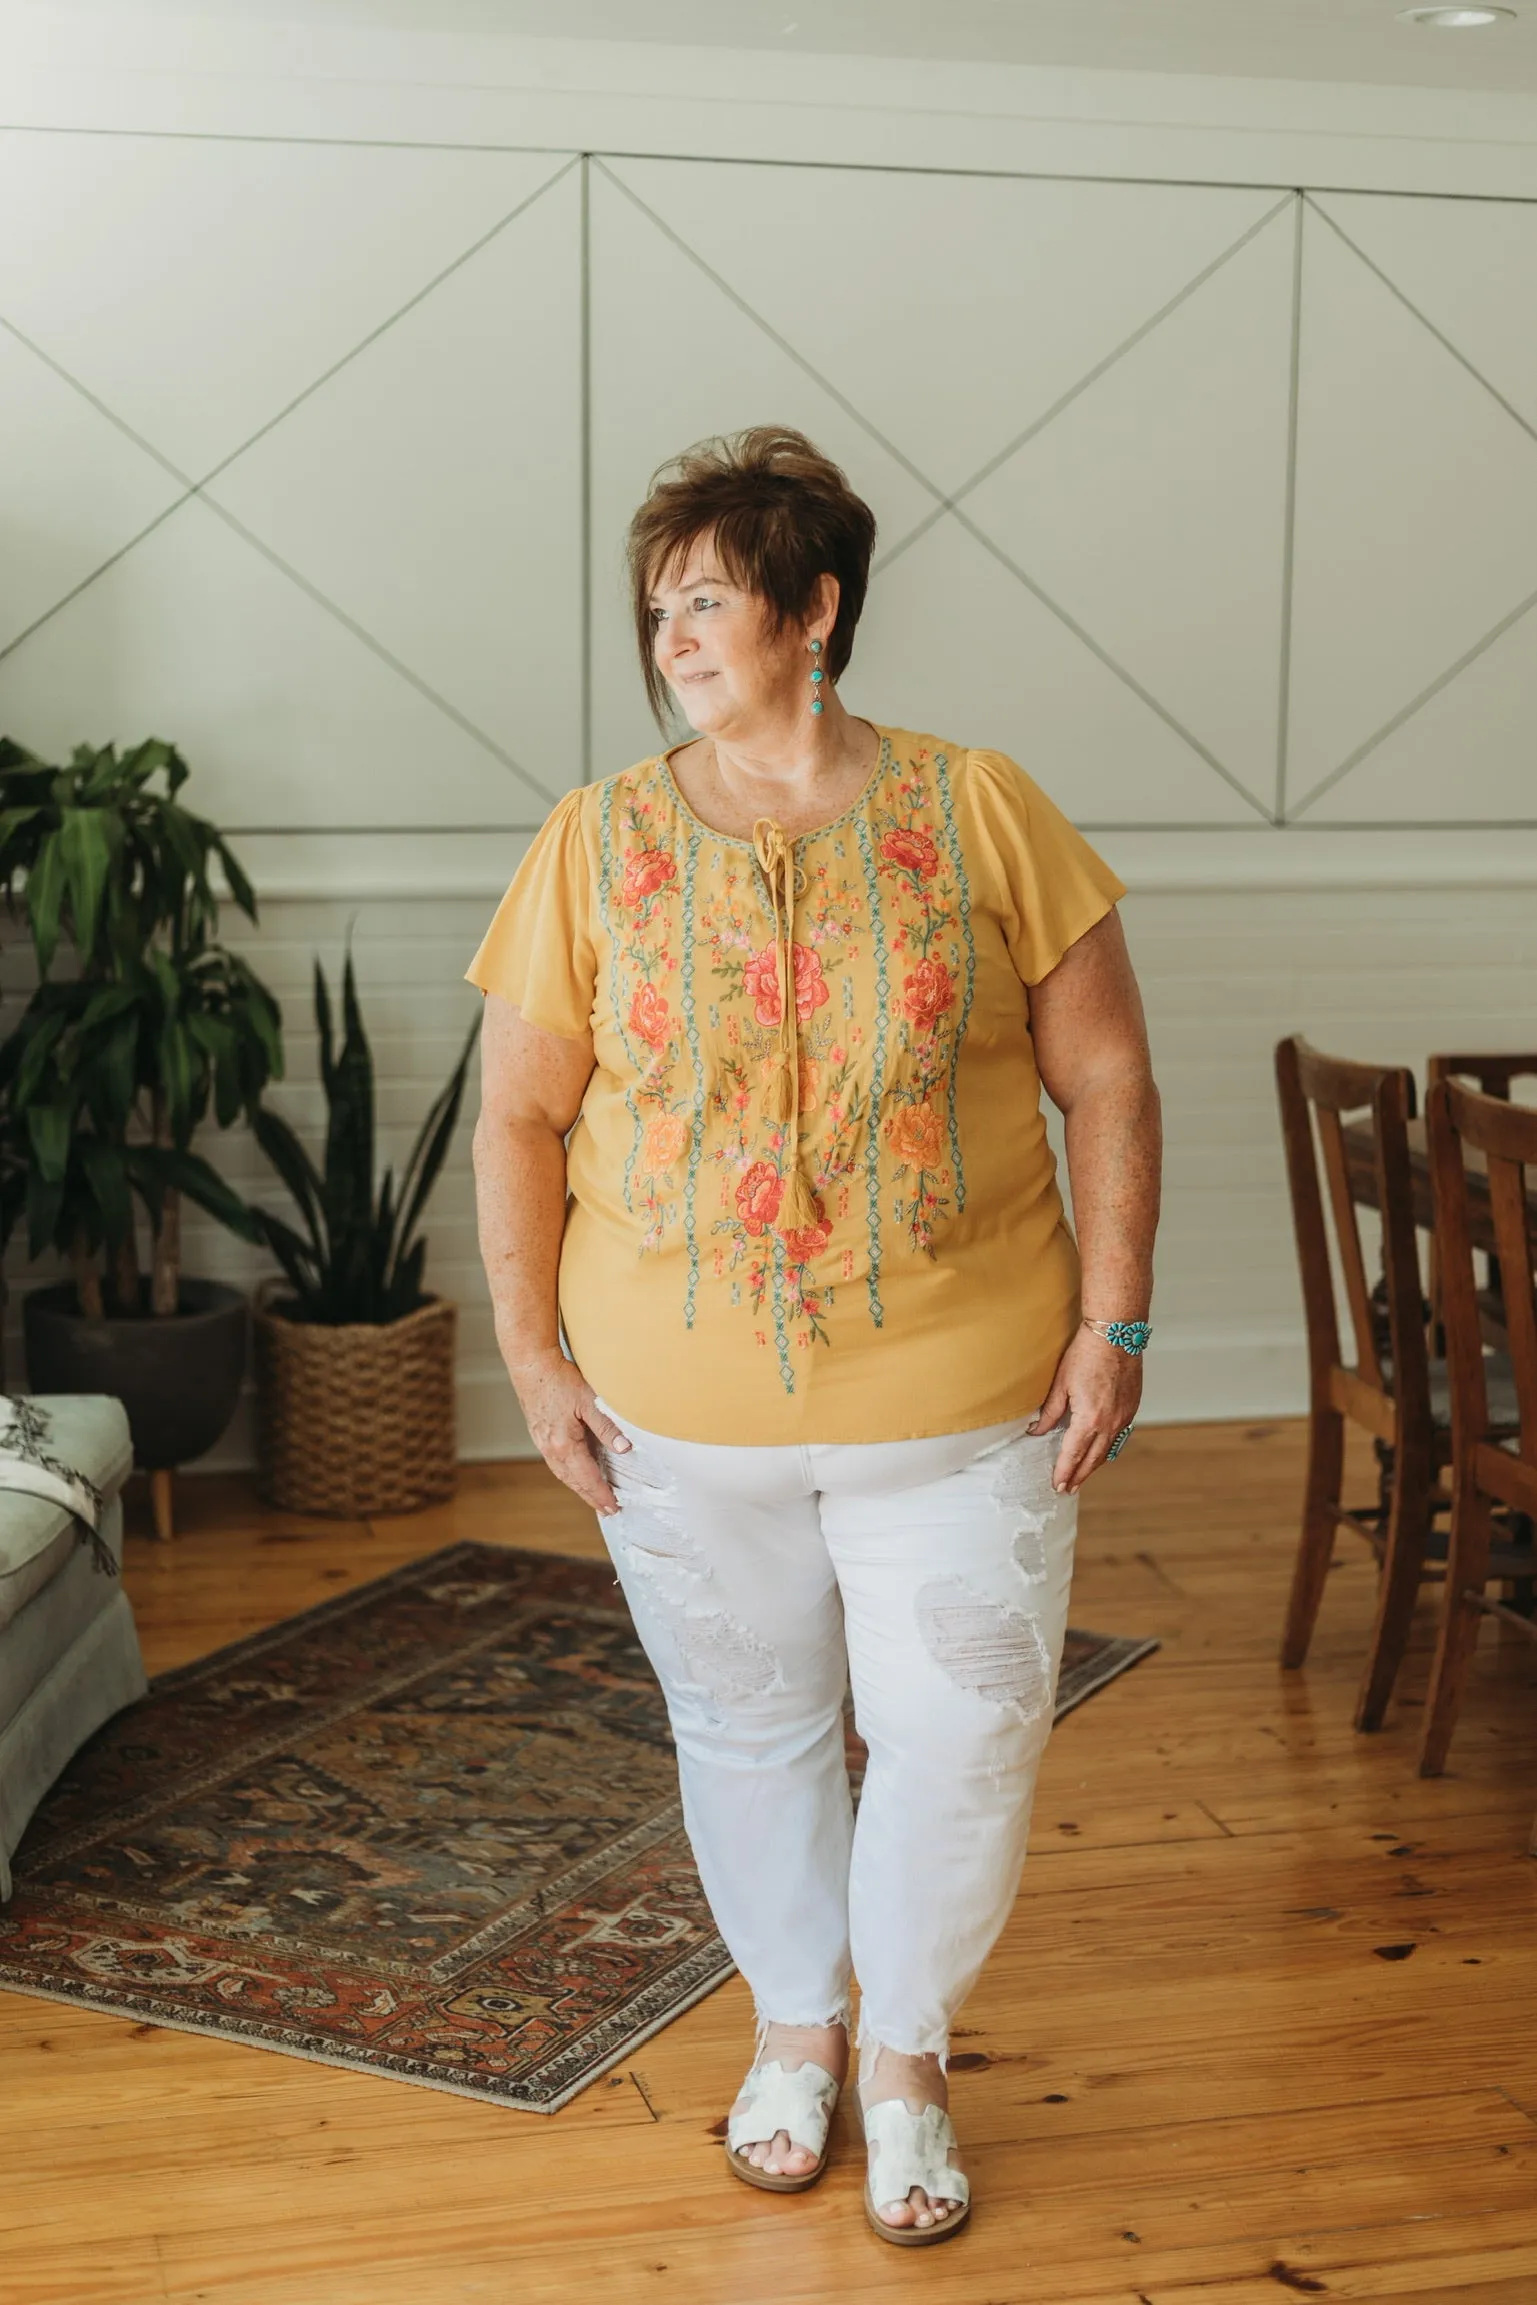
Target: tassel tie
782, 1093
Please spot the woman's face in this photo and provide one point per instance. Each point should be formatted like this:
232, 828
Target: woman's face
717, 649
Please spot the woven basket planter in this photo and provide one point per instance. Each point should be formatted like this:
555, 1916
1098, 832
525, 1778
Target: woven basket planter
355, 1420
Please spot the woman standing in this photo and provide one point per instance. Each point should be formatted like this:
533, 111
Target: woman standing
791, 990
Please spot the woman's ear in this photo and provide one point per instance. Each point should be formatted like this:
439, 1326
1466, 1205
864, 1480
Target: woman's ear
825, 596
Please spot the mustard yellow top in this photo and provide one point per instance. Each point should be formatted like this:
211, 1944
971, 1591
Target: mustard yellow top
811, 1194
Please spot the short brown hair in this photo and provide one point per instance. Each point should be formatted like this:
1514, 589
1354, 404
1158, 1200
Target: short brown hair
780, 513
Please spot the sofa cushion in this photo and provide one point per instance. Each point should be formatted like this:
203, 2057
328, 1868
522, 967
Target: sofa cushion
88, 1431
54, 1618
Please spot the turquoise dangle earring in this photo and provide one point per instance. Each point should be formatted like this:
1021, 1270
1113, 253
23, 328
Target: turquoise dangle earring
817, 677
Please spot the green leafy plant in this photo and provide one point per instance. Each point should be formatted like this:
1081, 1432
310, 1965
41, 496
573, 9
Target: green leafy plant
360, 1256
109, 1072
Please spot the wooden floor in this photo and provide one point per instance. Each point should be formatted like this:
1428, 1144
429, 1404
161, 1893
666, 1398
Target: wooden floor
1264, 2024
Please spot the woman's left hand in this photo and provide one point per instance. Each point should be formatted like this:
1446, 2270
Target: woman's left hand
1097, 1388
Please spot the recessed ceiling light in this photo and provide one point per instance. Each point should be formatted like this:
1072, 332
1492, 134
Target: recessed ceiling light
1457, 19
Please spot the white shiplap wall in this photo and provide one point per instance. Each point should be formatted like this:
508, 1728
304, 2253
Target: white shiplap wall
1213, 499
1396, 972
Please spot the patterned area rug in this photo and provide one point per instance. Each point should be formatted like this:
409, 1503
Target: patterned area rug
428, 1829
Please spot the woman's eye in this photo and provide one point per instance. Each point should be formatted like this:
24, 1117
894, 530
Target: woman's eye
703, 600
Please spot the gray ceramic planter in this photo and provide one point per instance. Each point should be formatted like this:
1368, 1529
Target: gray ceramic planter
178, 1377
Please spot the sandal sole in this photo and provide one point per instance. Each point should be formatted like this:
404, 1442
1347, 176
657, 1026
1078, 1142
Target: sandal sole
914, 2236
765, 2181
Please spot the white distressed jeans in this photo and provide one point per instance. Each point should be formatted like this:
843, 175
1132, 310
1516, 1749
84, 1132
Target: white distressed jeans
931, 1577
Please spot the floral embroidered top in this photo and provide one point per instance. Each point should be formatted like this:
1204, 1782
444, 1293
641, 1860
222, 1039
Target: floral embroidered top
812, 1197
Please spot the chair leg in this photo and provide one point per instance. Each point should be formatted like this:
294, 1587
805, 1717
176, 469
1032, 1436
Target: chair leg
1467, 1569
1398, 1587
1315, 1547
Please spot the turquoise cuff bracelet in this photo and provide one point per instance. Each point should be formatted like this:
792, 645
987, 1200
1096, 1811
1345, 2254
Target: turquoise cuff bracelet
1131, 1336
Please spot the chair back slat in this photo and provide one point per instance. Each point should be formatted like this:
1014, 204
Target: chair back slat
1347, 1240
1458, 1280
1513, 1241
1506, 1136
1318, 1091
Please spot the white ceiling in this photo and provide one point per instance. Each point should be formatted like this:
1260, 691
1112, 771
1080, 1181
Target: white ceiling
1341, 40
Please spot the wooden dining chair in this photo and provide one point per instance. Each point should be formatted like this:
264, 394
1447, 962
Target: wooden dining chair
1386, 1394
1494, 1471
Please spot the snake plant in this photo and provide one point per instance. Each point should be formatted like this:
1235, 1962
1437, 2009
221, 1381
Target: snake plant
359, 1257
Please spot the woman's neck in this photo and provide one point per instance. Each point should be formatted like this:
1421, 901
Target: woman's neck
800, 778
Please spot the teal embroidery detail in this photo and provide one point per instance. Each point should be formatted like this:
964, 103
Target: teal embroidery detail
963, 891
781, 1340
696, 1123
878, 1066
605, 889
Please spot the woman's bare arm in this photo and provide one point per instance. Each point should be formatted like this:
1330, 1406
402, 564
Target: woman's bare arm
1091, 1046
532, 1085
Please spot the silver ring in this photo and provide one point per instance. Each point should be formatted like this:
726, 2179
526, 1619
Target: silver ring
1119, 1443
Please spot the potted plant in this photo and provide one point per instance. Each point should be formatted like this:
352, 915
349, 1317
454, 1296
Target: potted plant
354, 1359
108, 1074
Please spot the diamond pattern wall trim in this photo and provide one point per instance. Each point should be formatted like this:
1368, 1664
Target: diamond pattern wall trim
1217, 508
82, 663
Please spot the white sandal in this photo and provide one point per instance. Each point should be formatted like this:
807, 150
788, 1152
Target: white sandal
801, 2103
913, 2149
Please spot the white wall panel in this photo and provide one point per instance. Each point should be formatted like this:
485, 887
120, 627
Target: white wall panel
196, 285
952, 311
73, 488
1416, 517
1467, 756
952, 642
432, 489
1470, 266
1153, 509
288, 717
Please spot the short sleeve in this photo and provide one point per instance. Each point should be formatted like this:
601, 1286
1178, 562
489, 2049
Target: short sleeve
1050, 887
538, 952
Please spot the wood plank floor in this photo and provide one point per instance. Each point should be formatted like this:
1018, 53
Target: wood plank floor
1263, 2026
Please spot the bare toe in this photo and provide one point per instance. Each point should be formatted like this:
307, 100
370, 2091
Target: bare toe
896, 2212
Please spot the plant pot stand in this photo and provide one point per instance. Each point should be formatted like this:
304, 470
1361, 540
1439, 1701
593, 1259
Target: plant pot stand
177, 1375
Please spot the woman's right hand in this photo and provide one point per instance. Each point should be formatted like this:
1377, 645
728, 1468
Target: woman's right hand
566, 1426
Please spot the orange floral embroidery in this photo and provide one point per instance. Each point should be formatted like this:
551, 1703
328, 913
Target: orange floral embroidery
666, 1141
645, 873
927, 992
650, 1017
758, 1197
760, 981
805, 1242
916, 1135
911, 851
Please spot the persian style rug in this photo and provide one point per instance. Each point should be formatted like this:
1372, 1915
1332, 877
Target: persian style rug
429, 1829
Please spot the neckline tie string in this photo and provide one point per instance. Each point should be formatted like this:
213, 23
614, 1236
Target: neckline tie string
782, 1089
